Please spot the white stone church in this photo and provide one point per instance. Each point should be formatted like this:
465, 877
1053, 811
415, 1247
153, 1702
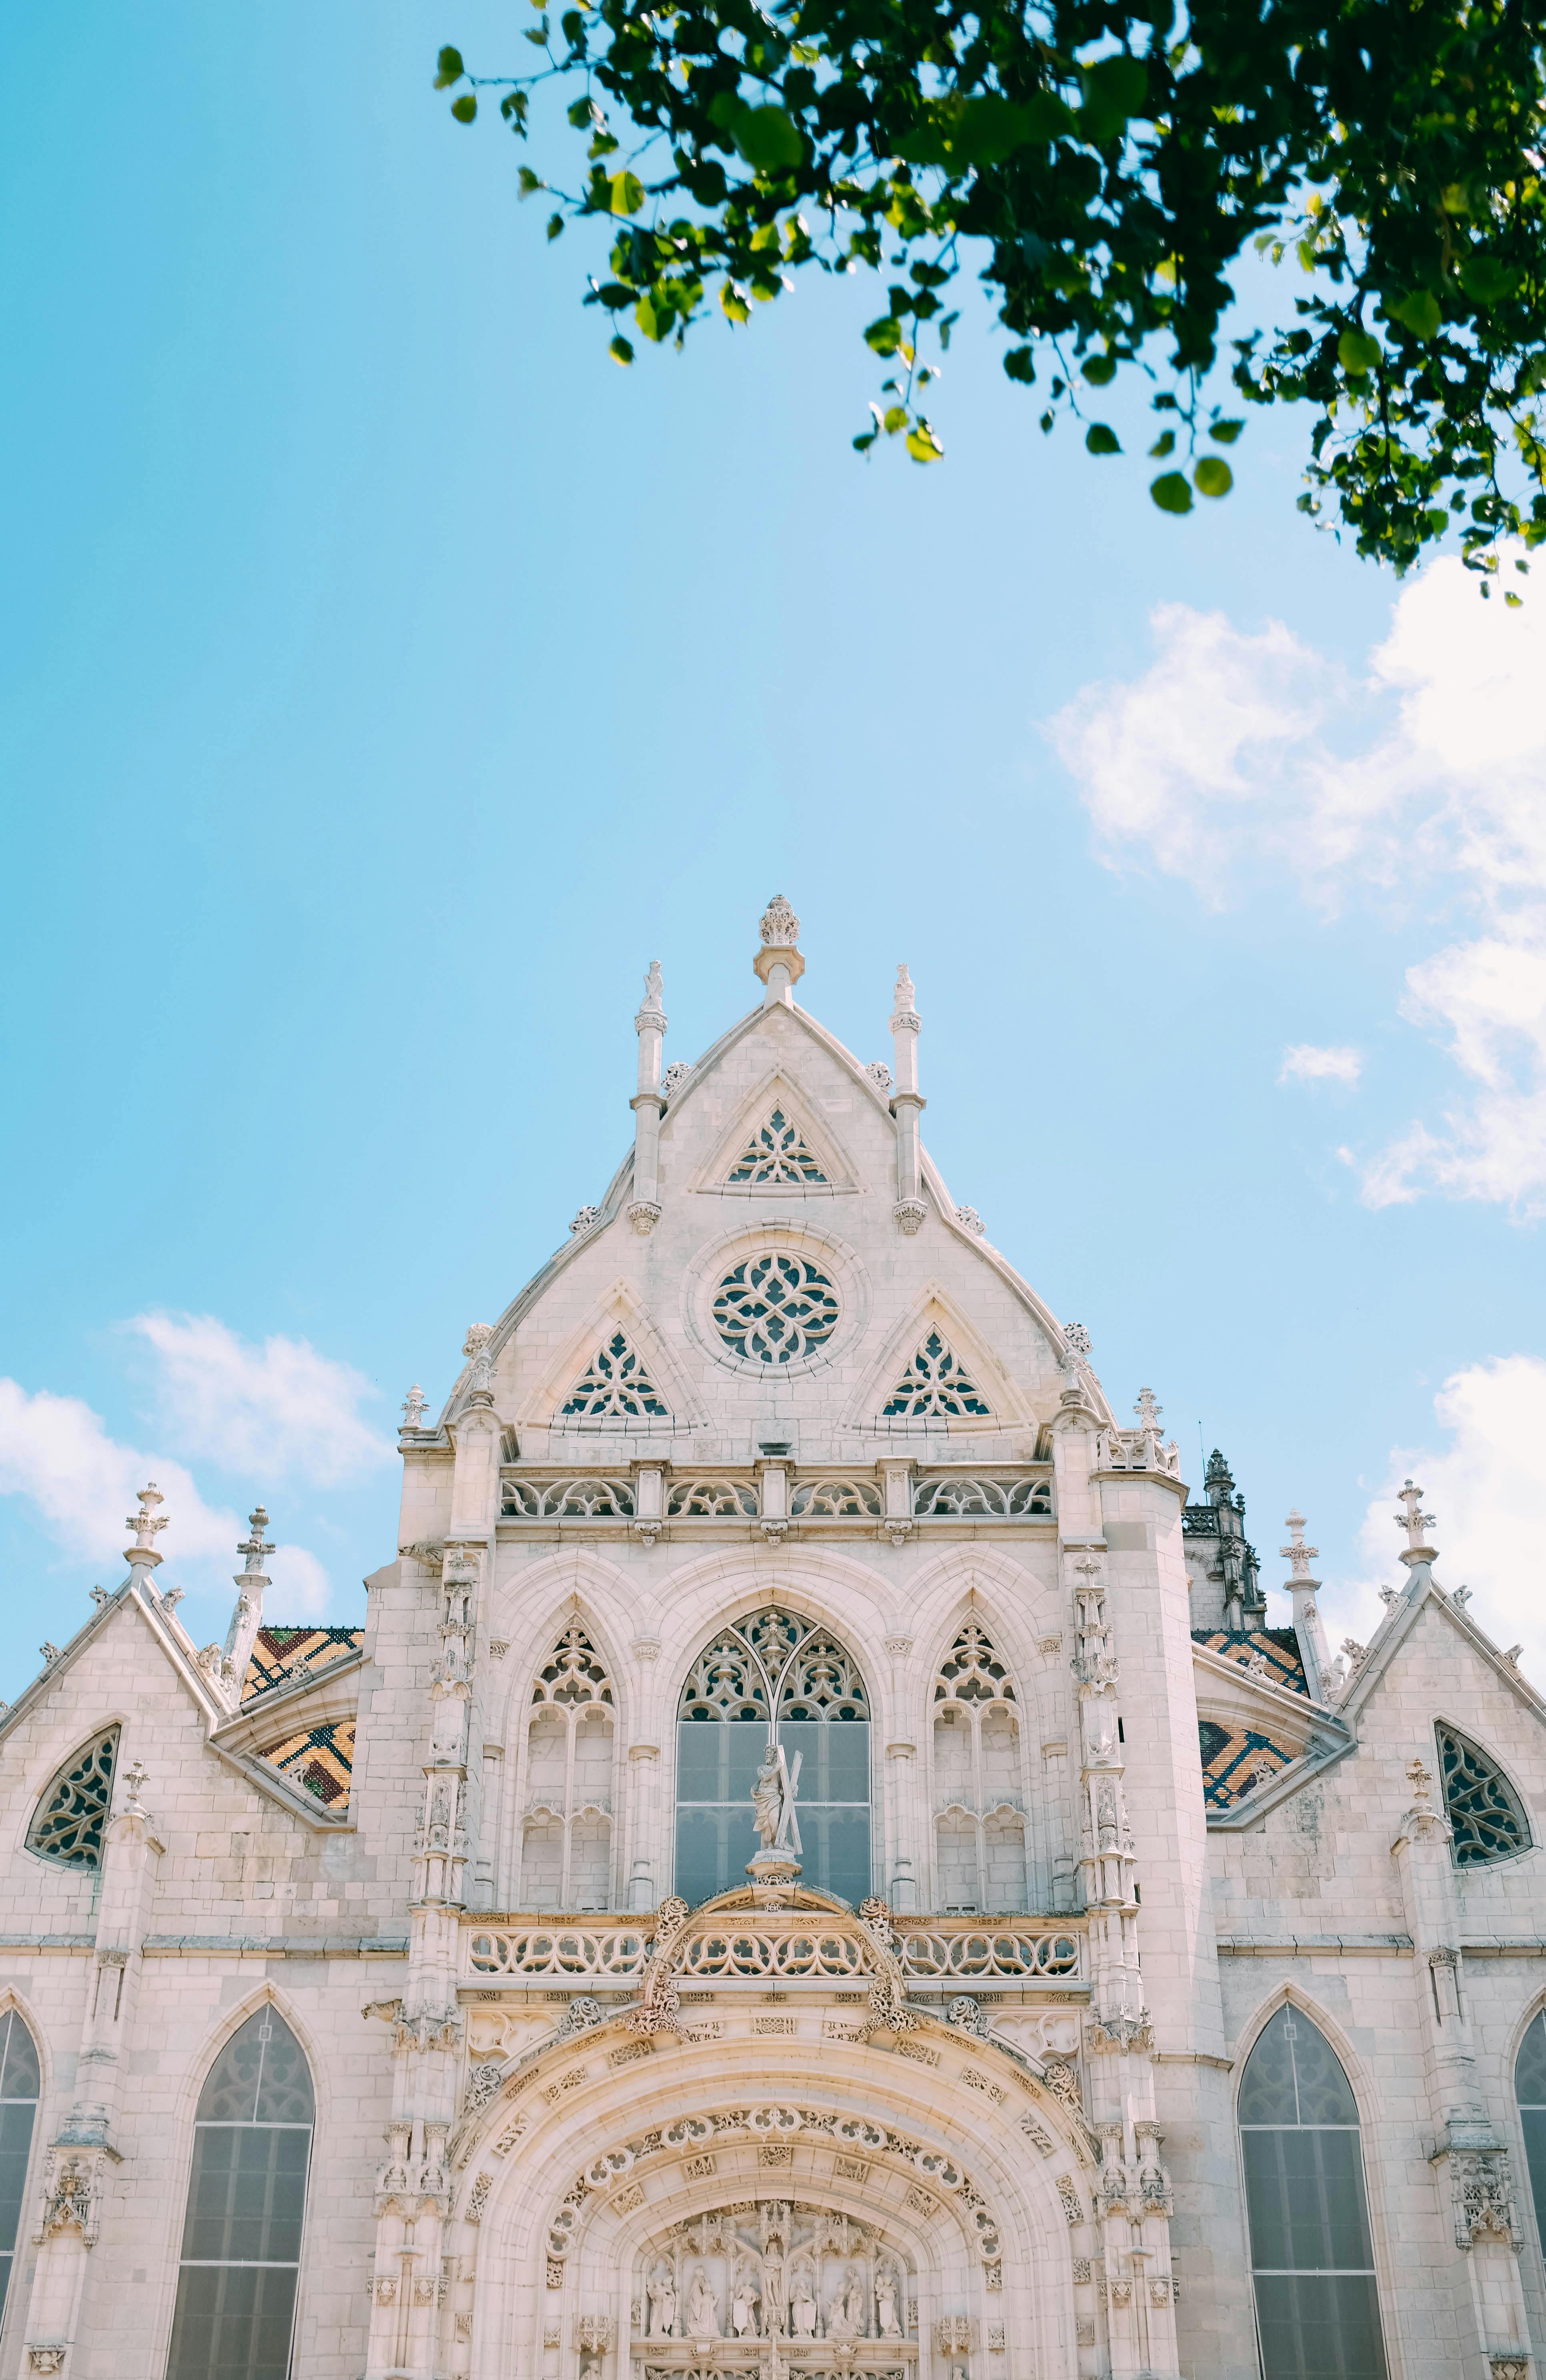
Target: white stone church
1101, 1982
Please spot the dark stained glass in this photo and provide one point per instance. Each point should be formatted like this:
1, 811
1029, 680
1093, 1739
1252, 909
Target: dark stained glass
18, 2108
1481, 1806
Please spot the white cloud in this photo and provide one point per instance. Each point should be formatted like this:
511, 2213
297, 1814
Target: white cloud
1303, 1063
57, 1453
276, 1411
1238, 759
1486, 1487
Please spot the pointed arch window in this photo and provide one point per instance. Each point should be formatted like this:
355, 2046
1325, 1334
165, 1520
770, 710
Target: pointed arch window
1529, 2091
773, 1676
240, 2262
566, 1823
616, 1385
18, 2110
1482, 1806
936, 1385
776, 1157
980, 1822
1312, 2258
68, 1821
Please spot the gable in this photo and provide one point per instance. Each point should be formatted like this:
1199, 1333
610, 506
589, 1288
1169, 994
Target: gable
777, 1141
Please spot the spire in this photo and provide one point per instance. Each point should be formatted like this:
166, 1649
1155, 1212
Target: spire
779, 963
907, 1105
146, 1524
248, 1616
1309, 1626
644, 1208
1417, 1554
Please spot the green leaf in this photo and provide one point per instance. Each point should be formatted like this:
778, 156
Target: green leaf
1417, 313
1115, 89
1020, 364
923, 446
1098, 439
1100, 370
448, 68
620, 351
1163, 444
1483, 278
529, 181
1214, 475
895, 419
555, 226
1171, 492
1226, 432
464, 108
1358, 352
884, 336
628, 194
732, 300
768, 138
652, 320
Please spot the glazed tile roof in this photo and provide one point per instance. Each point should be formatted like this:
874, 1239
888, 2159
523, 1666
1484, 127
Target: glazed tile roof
1235, 1760
319, 1759
281, 1656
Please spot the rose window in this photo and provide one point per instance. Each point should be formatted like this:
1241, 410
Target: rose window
775, 1309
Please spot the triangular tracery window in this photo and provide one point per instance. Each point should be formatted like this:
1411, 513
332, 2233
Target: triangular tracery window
935, 1384
777, 1154
1481, 1806
69, 1820
615, 1387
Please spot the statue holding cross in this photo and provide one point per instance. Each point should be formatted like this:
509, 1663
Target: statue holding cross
772, 1800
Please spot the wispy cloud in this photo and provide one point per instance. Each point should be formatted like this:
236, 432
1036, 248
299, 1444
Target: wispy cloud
1484, 1480
1304, 1062
275, 1412
80, 1482
1238, 759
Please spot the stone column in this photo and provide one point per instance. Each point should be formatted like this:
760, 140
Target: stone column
74, 2172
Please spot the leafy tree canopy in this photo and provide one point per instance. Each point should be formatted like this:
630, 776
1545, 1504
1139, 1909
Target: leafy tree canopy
1103, 169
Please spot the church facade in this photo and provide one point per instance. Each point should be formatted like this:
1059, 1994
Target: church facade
816, 1866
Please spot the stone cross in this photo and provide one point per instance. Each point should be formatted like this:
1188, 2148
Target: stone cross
255, 1546
1146, 1410
1296, 1553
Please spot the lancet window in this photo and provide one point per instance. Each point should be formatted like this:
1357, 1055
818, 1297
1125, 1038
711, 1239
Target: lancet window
935, 1386
614, 1386
68, 1821
566, 1819
774, 2269
1312, 2258
1529, 2090
773, 1676
18, 2109
246, 2206
1482, 1806
776, 1157
980, 1822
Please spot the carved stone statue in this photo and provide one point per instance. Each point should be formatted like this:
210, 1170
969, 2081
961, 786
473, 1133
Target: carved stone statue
804, 2305
773, 1802
663, 2304
743, 2306
702, 2308
774, 2304
846, 2312
888, 2320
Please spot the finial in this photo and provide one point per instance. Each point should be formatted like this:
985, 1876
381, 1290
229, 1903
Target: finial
1074, 1359
413, 1408
1421, 1779
1296, 1553
255, 1546
475, 1346
50, 1653
652, 1015
1146, 1410
780, 927
1415, 1521
147, 1523
134, 1780
906, 1018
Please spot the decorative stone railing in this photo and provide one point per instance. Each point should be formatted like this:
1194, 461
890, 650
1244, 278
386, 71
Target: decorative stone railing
937, 1495
933, 1950
1137, 1449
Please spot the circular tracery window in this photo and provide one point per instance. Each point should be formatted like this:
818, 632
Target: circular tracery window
775, 1309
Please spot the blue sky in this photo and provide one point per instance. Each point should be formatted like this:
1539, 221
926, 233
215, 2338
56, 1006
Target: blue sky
386, 678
